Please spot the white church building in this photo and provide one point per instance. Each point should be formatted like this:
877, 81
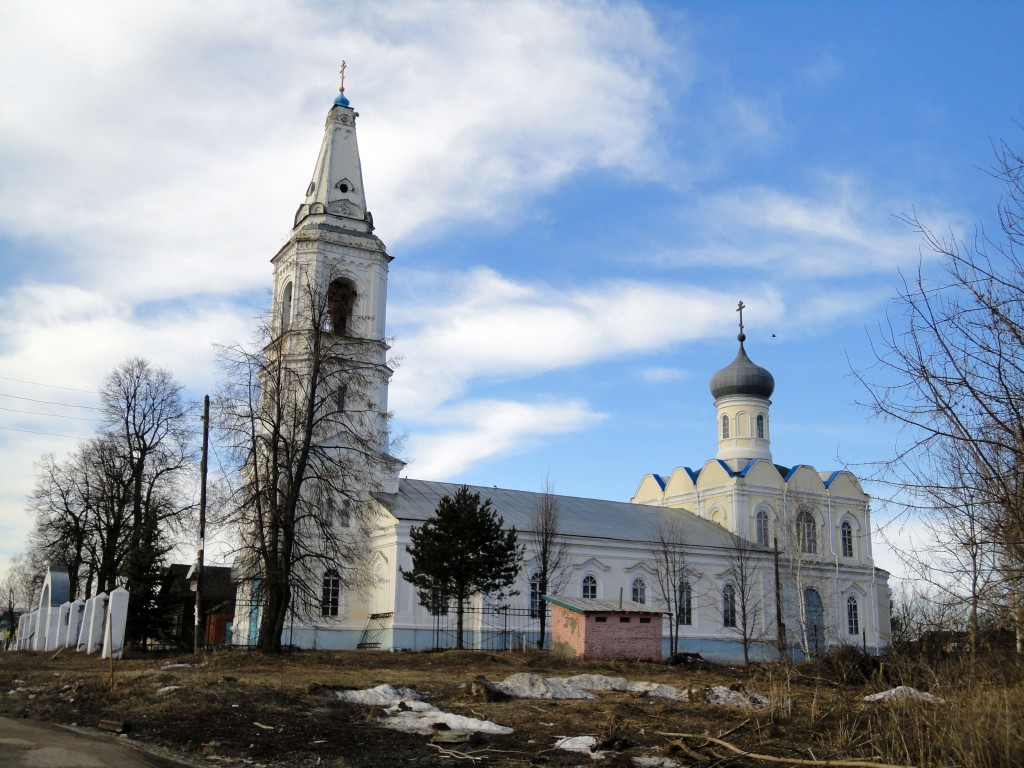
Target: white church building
806, 534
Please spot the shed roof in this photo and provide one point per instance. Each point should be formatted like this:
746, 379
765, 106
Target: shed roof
591, 605
416, 501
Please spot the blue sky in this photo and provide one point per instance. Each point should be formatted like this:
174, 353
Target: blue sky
576, 196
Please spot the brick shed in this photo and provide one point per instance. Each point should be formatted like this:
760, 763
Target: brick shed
604, 629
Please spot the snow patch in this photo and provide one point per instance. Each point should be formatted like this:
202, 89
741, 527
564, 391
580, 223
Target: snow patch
524, 685
903, 692
727, 697
381, 696
649, 761
406, 711
584, 744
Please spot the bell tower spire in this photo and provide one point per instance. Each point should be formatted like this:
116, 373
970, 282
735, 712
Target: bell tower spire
336, 188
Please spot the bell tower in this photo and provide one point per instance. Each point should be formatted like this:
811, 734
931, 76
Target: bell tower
333, 274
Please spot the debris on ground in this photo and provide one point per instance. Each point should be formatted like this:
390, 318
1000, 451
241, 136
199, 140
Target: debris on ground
167, 689
903, 693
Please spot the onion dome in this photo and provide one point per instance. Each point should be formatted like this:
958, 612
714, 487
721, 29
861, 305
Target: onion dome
742, 377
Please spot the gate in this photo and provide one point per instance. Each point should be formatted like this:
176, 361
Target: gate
489, 628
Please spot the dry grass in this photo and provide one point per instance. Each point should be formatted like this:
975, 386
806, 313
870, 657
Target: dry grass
818, 710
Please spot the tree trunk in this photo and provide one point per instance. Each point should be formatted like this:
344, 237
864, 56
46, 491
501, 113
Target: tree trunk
458, 625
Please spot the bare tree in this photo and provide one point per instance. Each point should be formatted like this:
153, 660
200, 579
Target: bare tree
951, 376
744, 590
297, 416
668, 552
551, 562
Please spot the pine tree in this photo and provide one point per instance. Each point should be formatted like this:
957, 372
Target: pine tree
462, 551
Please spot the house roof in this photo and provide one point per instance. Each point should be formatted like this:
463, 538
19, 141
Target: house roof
217, 584
590, 605
417, 500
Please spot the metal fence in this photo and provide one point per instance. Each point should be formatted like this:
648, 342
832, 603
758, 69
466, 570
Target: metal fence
490, 628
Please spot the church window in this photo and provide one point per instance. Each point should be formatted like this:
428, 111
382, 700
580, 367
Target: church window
340, 399
852, 616
684, 604
725, 427
728, 606
589, 587
846, 537
760, 426
330, 598
286, 306
807, 532
438, 603
341, 301
639, 590
763, 528
536, 602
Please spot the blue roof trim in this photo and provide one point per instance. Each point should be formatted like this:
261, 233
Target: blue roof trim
692, 475
750, 466
658, 480
832, 477
726, 468
792, 471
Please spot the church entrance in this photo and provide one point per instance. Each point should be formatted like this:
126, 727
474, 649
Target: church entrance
814, 621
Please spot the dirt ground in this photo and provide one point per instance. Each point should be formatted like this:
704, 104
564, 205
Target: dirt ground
239, 708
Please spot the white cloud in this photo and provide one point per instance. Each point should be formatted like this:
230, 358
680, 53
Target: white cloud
486, 326
482, 429
181, 136
839, 230
660, 375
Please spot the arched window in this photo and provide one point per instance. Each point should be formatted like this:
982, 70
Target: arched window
684, 604
728, 606
760, 426
725, 427
330, 597
852, 617
341, 300
846, 538
763, 528
639, 590
536, 603
807, 532
589, 587
286, 306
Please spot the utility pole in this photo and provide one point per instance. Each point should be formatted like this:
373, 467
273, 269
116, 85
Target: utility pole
200, 623
778, 603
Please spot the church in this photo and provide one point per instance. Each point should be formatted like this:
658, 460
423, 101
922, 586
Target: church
770, 556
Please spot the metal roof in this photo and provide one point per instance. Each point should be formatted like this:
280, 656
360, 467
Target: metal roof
416, 501
590, 605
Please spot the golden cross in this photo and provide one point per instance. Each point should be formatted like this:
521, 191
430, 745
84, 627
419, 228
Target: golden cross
342, 71
739, 308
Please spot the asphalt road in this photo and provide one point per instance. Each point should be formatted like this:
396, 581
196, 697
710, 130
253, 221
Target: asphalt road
30, 744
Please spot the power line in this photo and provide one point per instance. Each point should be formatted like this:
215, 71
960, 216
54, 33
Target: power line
53, 415
51, 386
51, 402
50, 434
